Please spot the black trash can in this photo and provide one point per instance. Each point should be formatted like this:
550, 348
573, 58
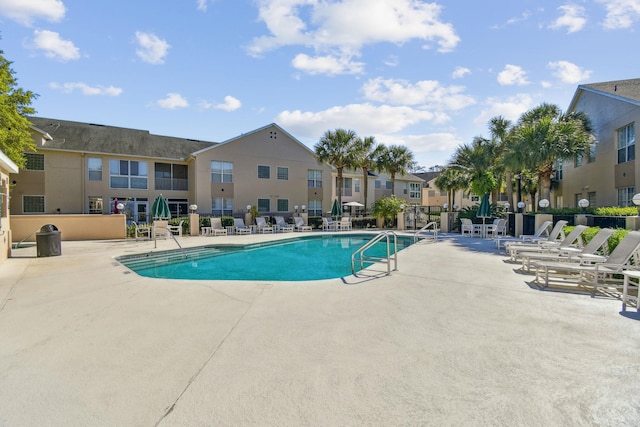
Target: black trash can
48, 241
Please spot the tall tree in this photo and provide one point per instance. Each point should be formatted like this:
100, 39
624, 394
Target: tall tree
500, 131
365, 155
336, 148
395, 160
476, 161
451, 180
545, 135
15, 105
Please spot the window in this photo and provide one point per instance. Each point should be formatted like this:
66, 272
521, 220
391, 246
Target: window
33, 204
559, 173
221, 207
576, 198
128, 174
94, 164
4, 199
444, 194
346, 187
314, 178
264, 172
591, 154
264, 205
314, 207
171, 177
221, 172
591, 196
475, 198
282, 205
378, 184
432, 193
625, 195
577, 161
626, 144
283, 173
356, 185
178, 207
95, 205
35, 161
415, 190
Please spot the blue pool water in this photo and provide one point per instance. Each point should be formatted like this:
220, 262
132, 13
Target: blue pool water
304, 258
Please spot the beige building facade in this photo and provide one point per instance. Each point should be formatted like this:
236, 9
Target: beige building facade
608, 174
7, 167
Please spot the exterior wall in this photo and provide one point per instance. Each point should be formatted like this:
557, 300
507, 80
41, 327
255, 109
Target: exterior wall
432, 196
6, 168
71, 227
269, 146
605, 175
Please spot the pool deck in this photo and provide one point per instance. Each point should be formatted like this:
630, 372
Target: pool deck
456, 336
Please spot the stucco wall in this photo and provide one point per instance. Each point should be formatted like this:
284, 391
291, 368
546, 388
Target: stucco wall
72, 227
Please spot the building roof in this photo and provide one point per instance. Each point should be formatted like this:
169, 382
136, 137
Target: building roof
427, 176
625, 90
95, 138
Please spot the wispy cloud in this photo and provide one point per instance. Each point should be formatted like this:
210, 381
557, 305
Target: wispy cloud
54, 46
510, 108
460, 72
27, 11
620, 13
568, 72
87, 89
329, 65
512, 75
151, 48
172, 101
230, 104
572, 18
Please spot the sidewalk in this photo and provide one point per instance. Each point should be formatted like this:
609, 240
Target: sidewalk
455, 337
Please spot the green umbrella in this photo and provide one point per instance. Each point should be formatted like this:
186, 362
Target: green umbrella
336, 210
484, 210
160, 208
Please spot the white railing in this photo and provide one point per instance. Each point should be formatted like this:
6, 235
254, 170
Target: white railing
360, 257
429, 231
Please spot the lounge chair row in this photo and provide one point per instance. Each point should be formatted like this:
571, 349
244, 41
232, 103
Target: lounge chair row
559, 260
239, 226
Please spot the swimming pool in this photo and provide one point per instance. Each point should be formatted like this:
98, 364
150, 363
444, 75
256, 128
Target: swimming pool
303, 258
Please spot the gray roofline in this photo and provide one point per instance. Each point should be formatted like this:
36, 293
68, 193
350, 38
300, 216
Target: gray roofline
118, 155
586, 88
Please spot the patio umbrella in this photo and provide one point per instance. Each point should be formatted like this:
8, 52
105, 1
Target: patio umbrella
160, 208
484, 210
336, 210
356, 204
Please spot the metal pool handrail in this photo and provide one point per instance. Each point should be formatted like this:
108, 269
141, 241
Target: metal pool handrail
430, 227
359, 255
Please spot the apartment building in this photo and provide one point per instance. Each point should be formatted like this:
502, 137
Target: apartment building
86, 168
7, 167
608, 174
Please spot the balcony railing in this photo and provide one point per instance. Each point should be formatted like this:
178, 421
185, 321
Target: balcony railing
178, 184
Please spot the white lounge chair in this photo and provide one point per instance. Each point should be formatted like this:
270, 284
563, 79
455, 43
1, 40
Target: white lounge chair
546, 245
593, 271
281, 225
542, 231
262, 226
328, 224
216, 227
597, 244
300, 225
176, 229
555, 236
240, 227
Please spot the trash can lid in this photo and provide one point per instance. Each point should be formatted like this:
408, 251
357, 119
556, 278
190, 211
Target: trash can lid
48, 228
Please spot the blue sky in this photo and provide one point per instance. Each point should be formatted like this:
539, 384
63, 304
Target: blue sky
421, 74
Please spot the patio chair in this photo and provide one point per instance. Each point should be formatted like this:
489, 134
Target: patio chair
262, 226
543, 230
594, 271
160, 229
216, 227
466, 227
328, 224
597, 244
345, 223
176, 229
240, 227
282, 226
141, 231
499, 227
300, 225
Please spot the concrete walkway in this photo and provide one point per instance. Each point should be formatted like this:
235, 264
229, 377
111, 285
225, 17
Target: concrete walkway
455, 337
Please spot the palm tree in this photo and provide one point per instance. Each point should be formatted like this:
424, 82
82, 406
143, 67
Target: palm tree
336, 148
500, 131
395, 159
545, 135
365, 155
451, 180
476, 163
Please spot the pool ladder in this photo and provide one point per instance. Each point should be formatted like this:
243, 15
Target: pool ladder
360, 257
423, 233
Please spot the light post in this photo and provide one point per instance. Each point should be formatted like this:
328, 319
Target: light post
544, 204
507, 206
193, 208
295, 208
518, 178
584, 204
520, 207
636, 201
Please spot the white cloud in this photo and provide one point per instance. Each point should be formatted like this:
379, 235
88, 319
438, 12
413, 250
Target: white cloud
460, 72
230, 104
512, 75
510, 108
202, 5
428, 143
173, 101
621, 13
86, 89
568, 72
341, 29
425, 93
27, 11
572, 18
328, 65
55, 47
152, 49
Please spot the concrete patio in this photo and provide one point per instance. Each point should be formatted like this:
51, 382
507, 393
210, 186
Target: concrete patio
455, 337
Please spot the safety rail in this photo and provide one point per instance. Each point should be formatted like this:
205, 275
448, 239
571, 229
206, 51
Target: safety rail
17, 245
423, 233
361, 257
